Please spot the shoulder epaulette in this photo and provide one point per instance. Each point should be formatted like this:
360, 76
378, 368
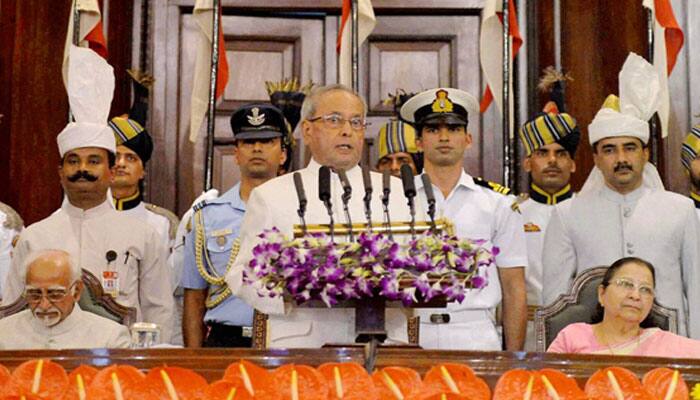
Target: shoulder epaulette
12, 219
173, 220
199, 205
496, 187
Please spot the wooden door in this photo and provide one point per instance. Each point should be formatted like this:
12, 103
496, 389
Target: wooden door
415, 46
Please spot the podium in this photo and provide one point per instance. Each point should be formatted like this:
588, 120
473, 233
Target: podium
432, 264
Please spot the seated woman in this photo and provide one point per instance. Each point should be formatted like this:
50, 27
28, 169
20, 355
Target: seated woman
621, 325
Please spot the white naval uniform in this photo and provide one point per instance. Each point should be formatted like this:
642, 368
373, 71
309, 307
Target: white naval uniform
274, 204
80, 330
601, 226
87, 236
483, 214
7, 235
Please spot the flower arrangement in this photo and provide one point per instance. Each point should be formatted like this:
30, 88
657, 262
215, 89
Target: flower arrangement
315, 268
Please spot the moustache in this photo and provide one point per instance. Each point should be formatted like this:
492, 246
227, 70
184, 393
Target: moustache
620, 167
82, 174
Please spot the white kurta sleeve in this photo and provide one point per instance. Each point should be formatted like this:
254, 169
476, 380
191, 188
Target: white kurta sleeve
258, 217
558, 259
13, 285
690, 270
155, 289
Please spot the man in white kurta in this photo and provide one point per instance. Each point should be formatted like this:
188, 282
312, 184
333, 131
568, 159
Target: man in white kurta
54, 320
80, 330
10, 227
333, 127
623, 210
480, 210
125, 253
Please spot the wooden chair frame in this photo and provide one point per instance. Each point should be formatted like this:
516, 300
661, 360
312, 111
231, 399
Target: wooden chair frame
573, 297
93, 289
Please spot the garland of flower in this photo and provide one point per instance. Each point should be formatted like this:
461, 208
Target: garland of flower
314, 268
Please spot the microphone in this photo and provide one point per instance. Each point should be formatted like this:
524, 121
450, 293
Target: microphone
386, 190
347, 193
324, 193
367, 182
301, 195
430, 196
409, 187
409, 190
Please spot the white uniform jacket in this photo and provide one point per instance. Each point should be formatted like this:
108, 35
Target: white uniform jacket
274, 204
599, 227
477, 213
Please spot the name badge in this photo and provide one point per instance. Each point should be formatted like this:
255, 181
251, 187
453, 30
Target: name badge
110, 283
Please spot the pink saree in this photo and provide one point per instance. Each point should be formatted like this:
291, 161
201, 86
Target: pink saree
653, 342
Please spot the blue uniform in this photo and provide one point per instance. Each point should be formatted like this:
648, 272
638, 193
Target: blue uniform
222, 219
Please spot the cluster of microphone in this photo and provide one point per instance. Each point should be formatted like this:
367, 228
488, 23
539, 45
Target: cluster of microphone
324, 194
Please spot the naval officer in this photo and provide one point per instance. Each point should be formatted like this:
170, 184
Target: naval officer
480, 210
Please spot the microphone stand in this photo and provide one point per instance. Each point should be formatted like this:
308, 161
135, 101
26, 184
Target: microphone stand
428, 188
347, 193
386, 178
368, 197
301, 211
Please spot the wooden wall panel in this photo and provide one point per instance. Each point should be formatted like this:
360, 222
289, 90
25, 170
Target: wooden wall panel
119, 43
36, 108
596, 38
34, 102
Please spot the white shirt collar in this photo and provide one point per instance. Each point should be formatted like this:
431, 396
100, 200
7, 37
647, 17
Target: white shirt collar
97, 211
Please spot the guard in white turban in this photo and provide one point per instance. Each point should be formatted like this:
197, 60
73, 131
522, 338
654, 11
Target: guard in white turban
623, 209
126, 254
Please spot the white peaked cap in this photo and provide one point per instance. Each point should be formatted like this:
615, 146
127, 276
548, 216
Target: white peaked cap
90, 91
639, 99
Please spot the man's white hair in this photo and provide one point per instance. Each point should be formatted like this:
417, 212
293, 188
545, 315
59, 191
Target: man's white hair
310, 104
75, 271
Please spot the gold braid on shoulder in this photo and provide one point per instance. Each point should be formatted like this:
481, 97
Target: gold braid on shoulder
211, 277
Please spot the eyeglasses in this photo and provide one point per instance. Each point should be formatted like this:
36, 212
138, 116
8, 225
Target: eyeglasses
336, 121
53, 295
630, 285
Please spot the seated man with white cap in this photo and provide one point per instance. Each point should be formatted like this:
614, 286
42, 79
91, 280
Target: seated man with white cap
125, 253
623, 210
54, 319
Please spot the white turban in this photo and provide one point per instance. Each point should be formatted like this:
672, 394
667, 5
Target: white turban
639, 99
90, 91
628, 116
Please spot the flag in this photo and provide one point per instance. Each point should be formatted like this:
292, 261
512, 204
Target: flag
668, 41
491, 50
365, 26
91, 31
203, 17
